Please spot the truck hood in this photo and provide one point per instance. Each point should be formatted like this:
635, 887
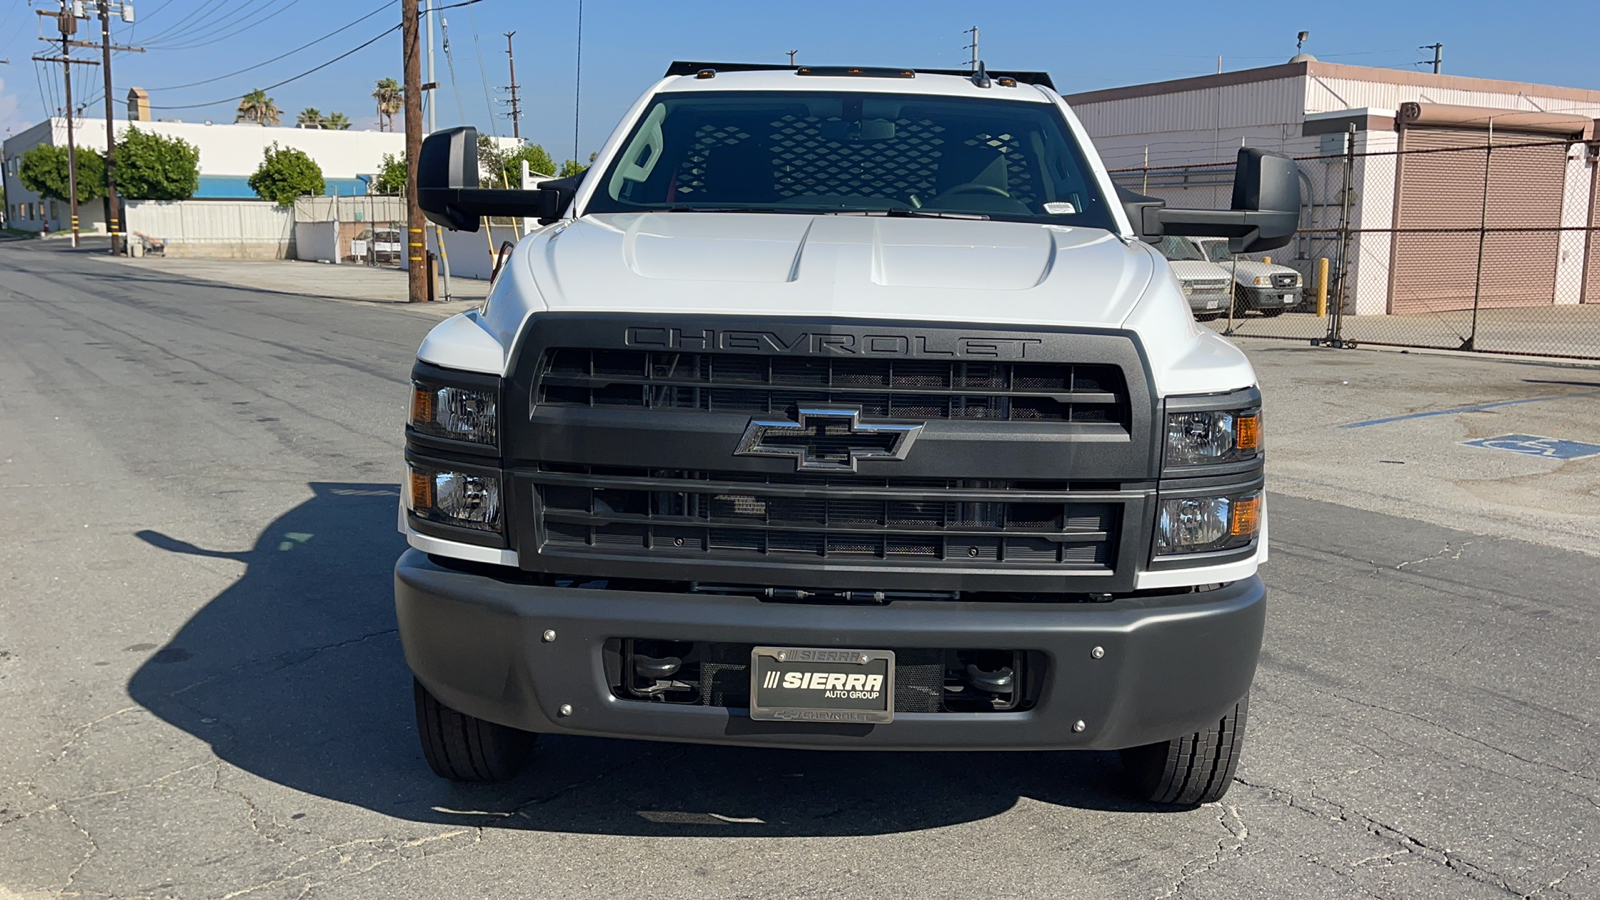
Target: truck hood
1249, 269
854, 266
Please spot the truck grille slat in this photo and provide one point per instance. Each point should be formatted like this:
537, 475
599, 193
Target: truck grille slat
924, 389
676, 513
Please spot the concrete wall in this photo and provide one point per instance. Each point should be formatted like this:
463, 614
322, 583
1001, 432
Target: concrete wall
216, 229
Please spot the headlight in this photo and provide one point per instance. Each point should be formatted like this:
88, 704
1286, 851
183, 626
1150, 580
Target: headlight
1188, 288
460, 414
465, 500
1207, 524
1299, 279
1213, 436
1263, 281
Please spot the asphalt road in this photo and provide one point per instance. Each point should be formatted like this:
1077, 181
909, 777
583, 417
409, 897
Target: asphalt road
203, 694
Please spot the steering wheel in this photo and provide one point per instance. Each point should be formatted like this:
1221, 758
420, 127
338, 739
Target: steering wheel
972, 187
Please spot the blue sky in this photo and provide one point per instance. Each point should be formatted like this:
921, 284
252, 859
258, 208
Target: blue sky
627, 44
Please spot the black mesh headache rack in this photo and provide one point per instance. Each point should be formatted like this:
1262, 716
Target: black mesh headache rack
630, 454
694, 68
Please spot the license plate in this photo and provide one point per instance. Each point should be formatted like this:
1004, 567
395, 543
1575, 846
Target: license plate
811, 684
1213, 304
1288, 297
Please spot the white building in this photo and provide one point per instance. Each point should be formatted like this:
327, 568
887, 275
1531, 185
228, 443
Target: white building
229, 154
1177, 140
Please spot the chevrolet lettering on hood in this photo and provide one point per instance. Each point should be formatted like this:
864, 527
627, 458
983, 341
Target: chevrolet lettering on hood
832, 343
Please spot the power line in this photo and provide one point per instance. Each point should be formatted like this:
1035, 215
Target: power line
381, 7
243, 27
350, 52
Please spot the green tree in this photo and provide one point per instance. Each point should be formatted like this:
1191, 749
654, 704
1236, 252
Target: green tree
153, 167
337, 121
495, 163
310, 117
391, 175
286, 173
390, 97
257, 107
44, 171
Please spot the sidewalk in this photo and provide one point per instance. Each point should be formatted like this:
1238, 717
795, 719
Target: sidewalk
365, 284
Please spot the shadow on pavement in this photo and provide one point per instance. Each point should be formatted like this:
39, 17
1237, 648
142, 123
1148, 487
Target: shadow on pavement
295, 674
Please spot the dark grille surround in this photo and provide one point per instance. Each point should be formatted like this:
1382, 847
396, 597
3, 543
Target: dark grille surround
1283, 280
1034, 467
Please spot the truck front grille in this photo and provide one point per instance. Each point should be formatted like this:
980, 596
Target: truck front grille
906, 388
727, 515
1285, 280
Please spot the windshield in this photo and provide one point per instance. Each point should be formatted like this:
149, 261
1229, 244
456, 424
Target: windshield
1216, 251
890, 154
1174, 247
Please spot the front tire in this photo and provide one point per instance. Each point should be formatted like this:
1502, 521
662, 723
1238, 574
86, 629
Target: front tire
1192, 769
465, 748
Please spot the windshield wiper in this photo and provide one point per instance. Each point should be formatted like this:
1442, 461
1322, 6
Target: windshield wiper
734, 209
903, 212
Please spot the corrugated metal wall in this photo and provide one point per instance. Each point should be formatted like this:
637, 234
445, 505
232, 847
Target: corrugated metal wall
1324, 94
228, 229
1435, 269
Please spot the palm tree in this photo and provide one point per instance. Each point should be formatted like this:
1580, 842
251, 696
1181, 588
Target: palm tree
390, 99
257, 107
250, 106
310, 117
337, 121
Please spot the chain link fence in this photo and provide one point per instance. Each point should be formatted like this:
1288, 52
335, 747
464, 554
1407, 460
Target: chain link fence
1460, 240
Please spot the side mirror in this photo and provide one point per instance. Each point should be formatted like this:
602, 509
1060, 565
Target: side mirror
1265, 213
448, 192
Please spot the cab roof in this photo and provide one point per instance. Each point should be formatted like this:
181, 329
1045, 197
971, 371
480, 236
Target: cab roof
761, 76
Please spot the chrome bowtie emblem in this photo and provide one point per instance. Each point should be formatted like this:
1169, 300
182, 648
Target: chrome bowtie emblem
827, 439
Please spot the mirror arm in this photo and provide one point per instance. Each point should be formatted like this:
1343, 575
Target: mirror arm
468, 204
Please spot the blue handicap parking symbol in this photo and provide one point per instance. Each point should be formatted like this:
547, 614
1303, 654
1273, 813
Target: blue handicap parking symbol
1533, 445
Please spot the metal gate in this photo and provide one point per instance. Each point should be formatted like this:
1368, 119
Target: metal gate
1462, 239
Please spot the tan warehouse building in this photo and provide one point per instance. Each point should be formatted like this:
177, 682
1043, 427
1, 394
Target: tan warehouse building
1441, 168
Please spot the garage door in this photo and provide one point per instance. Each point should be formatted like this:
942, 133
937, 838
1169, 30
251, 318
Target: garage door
1440, 187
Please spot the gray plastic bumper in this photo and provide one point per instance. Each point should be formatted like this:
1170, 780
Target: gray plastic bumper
1171, 664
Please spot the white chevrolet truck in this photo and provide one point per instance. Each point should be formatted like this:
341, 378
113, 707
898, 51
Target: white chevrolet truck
839, 408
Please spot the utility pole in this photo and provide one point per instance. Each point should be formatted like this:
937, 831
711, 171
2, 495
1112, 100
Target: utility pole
791, 56
433, 86
68, 26
516, 110
416, 269
973, 62
1438, 56
113, 224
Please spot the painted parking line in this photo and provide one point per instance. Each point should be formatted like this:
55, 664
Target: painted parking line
1534, 445
1466, 409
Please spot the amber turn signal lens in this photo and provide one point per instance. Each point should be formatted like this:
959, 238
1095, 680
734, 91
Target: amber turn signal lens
421, 490
1249, 433
1246, 516
421, 405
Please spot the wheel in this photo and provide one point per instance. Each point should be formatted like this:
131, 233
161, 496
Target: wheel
463, 748
1273, 313
1195, 768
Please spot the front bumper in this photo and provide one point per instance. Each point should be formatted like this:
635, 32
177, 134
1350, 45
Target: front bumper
1208, 301
1171, 664
1272, 297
